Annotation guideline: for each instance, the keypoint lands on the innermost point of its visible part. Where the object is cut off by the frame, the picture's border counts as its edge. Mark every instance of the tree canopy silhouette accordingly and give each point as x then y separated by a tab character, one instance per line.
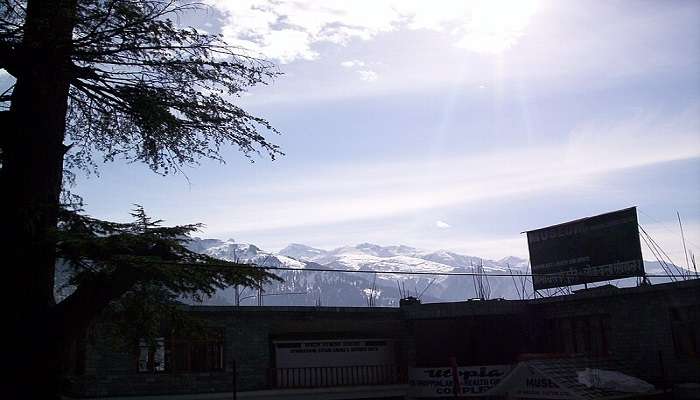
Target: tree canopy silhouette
99	80
134	267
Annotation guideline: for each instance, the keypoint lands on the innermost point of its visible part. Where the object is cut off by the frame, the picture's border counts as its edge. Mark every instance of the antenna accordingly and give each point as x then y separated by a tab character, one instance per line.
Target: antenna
318	298
476	290
521	295
685	250
370	297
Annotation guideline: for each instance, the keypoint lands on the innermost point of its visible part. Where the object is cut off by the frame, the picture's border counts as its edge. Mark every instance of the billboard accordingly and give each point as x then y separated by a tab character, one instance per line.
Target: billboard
592	249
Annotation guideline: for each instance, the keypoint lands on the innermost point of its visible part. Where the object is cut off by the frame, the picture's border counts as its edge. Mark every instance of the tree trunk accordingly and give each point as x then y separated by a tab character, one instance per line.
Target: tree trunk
31	174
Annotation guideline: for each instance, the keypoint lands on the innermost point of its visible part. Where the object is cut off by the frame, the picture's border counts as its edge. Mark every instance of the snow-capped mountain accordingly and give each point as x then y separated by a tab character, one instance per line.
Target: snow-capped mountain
243	252
302	252
386	288
313	287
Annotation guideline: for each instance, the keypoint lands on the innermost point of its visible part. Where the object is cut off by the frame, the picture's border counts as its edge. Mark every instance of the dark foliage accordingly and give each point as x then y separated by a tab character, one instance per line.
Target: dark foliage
155	259
145	89
158	254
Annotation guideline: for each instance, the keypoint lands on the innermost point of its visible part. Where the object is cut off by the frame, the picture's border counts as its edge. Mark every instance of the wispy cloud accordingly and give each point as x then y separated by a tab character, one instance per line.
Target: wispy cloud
366	74
536	46
353	192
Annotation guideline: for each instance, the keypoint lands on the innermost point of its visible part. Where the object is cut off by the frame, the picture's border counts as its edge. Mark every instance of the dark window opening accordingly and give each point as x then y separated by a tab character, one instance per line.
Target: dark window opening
199	354
151	355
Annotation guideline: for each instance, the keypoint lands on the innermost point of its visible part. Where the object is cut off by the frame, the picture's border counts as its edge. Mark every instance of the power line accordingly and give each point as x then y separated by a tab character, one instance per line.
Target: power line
438	273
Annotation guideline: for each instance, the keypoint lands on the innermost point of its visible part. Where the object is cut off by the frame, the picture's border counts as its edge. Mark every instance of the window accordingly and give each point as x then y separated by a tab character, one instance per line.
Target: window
152	355
202	353
586	334
685	329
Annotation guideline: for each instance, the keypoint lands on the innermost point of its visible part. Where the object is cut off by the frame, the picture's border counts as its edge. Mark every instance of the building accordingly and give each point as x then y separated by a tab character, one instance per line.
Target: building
530	346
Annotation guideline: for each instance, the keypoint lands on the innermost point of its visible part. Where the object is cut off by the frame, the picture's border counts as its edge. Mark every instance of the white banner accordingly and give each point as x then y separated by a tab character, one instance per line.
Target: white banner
333	353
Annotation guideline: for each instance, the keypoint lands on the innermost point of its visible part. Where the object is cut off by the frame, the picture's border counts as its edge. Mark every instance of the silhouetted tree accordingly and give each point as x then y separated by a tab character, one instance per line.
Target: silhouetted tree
135	266
100	78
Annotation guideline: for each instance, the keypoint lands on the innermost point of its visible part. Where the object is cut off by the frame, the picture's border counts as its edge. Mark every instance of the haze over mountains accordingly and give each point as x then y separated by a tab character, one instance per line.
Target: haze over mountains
363	287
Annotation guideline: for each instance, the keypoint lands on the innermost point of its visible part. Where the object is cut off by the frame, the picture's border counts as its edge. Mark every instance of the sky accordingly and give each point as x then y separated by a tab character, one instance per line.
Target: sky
445	125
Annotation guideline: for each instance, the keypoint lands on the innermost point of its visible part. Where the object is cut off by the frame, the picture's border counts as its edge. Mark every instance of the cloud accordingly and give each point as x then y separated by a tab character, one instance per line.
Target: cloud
442	224
287	30
368	75
352	64
541	45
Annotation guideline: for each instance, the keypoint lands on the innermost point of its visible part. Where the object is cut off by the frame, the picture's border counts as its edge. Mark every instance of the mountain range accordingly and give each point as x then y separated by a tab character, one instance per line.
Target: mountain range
363	286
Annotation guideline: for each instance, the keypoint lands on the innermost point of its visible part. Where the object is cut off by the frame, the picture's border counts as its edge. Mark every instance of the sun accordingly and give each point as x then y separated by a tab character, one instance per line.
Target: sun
495	26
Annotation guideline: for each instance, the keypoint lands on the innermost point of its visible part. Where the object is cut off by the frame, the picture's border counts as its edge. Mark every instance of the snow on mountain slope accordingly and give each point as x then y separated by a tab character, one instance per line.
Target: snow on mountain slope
387	251
353	288
243	252
302	252
515	263
360	261
368	256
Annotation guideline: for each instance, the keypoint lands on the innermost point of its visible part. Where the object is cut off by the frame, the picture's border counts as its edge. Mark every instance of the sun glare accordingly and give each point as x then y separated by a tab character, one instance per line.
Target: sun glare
496	25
